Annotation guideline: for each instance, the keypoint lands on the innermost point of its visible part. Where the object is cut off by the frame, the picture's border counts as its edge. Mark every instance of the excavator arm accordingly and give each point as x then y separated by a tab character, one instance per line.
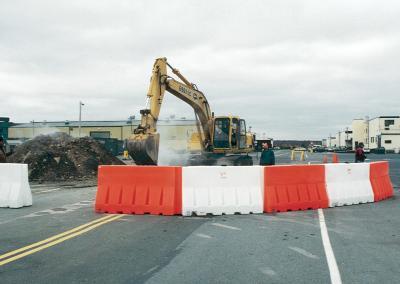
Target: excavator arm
144	144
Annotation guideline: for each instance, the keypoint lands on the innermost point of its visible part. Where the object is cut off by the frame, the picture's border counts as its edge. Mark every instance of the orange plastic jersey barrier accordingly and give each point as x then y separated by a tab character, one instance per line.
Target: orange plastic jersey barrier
139	190
298	187
380	180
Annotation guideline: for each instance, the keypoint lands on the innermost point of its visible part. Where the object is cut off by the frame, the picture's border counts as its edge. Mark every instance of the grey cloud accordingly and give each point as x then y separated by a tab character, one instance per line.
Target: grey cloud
293	69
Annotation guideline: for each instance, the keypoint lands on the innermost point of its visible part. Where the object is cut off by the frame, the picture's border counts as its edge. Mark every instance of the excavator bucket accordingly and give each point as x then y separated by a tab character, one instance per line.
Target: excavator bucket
143	148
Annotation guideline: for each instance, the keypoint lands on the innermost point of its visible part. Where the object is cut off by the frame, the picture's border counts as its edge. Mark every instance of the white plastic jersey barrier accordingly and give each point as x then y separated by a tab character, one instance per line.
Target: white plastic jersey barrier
348	184
222	190
15	191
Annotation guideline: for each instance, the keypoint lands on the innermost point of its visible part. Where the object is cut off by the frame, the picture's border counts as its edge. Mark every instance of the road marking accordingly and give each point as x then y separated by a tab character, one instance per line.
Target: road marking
282	154
330	257
38	246
226	226
151	269
66	208
268	271
53	237
304	252
46	190
204	236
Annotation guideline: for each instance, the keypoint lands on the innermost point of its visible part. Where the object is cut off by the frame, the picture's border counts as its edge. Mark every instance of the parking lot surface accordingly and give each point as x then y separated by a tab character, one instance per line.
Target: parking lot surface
60	239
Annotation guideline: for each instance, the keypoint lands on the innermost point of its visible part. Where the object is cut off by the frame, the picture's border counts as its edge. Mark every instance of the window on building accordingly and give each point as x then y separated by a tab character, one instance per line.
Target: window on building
388	122
388	141
100	134
372	139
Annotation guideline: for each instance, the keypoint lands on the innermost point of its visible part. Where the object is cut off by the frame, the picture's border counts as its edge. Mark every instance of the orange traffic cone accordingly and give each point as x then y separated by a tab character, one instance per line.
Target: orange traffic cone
335	158
325	159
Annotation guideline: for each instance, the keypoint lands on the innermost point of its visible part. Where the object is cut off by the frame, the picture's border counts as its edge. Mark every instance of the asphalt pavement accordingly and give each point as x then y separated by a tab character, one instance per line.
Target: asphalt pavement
259	248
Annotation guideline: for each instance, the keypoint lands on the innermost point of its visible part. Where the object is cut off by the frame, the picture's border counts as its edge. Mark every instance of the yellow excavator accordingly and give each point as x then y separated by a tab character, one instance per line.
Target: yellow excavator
223	139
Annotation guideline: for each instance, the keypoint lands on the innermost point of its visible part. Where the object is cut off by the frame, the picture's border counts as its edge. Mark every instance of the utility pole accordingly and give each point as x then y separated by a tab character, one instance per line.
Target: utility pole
33	128
367	130
80	116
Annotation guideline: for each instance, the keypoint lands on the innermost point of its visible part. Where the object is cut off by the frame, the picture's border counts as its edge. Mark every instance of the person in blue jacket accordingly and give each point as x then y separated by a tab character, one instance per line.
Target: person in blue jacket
267	156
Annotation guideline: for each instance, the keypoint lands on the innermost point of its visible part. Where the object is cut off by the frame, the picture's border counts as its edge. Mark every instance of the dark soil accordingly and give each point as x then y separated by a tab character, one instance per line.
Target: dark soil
59	157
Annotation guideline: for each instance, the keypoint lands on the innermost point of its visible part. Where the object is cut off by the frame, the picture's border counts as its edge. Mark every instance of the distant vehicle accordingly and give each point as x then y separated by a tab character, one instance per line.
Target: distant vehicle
318	148
342	150
277	148
300	149
380	150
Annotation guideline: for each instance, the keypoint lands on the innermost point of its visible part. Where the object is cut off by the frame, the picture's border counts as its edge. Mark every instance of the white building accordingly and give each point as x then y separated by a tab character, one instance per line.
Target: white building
360	135
342	139
382	131
331	142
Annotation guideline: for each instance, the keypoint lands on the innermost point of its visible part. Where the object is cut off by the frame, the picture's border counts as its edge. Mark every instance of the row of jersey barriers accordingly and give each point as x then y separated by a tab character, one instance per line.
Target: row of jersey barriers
214	190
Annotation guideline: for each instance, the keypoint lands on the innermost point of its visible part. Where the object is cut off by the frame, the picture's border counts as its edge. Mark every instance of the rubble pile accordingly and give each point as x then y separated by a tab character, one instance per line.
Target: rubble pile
59	157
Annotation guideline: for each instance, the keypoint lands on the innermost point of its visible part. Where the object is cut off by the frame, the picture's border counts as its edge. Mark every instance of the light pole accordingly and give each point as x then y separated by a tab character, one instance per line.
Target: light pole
80	116
330	140
33	129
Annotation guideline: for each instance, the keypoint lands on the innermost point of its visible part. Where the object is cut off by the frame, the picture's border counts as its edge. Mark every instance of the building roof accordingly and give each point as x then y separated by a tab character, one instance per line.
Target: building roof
385	116
113	123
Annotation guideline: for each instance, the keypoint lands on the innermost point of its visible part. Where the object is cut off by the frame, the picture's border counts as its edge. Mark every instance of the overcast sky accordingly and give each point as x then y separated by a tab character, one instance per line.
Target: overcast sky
292	69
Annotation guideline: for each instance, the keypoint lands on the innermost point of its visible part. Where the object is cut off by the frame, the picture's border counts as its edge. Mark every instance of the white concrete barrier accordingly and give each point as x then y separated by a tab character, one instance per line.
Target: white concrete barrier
15	191
348	184
222	190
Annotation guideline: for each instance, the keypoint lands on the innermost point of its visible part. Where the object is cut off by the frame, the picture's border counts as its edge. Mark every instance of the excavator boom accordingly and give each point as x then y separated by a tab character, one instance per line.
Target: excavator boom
144	144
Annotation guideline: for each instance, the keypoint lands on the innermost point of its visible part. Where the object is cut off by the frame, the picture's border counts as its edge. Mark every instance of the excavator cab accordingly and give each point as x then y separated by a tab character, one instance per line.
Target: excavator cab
222	131
229	134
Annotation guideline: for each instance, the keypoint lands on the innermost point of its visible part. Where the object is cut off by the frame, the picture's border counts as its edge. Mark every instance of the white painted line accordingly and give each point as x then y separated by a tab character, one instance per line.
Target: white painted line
304	252
268	271
204	236
151	269
281	154
330	257
226	226
47	190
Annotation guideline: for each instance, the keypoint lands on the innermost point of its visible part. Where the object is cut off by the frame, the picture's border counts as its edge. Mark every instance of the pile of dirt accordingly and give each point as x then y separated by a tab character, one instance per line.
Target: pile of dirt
59	157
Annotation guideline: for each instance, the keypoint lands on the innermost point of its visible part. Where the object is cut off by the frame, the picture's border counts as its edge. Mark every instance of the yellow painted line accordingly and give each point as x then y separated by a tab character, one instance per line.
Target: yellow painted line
100	220
50	244
53	237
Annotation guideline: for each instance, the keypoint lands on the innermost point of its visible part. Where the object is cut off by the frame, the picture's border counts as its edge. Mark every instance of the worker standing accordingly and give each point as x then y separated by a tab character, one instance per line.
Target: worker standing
267	156
2	151
360	154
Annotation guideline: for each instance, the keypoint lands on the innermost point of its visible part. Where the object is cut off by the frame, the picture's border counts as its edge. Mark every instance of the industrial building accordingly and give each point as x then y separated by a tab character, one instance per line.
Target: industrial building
375	133
174	133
